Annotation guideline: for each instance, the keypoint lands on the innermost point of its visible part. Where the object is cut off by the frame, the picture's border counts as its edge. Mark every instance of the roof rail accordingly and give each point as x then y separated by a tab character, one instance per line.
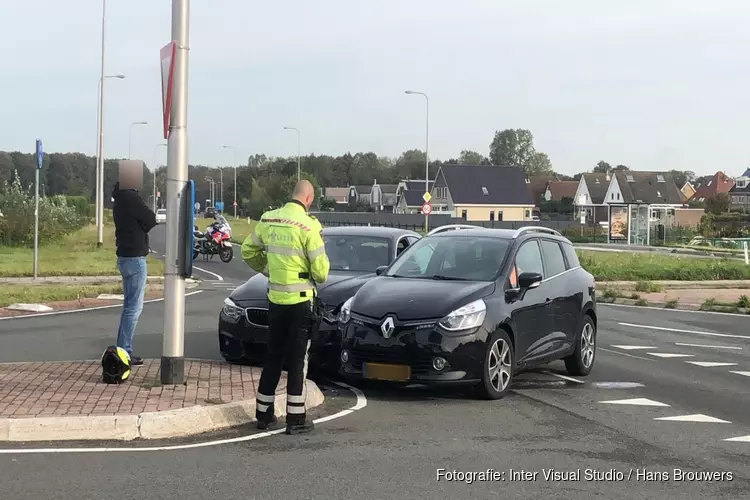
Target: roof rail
450	227
535	229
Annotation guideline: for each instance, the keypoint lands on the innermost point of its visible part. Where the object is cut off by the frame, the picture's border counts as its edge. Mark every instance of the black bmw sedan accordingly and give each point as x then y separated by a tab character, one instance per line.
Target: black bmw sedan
354	252
472	306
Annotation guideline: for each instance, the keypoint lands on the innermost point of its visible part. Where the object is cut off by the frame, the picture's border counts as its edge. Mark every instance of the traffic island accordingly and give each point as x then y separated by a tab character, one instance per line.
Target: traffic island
67	401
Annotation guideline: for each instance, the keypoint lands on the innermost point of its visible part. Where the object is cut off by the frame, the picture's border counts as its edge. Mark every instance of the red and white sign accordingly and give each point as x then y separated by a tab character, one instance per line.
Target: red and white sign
235	203
426	208
158	194
167	79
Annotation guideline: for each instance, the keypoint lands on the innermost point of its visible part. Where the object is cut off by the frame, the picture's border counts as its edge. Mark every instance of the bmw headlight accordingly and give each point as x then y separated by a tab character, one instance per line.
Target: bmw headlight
345	314
232	310
465	318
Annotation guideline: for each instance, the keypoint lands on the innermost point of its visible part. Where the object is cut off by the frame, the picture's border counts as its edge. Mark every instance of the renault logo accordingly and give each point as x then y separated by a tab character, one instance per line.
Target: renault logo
387	327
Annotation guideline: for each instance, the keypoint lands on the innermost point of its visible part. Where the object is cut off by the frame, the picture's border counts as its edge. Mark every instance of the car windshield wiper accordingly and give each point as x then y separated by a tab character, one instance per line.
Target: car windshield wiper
448	278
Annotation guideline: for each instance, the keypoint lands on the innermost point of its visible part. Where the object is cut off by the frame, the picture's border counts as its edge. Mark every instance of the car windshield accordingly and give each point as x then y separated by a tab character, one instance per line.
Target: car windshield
454	257
357	253
161	212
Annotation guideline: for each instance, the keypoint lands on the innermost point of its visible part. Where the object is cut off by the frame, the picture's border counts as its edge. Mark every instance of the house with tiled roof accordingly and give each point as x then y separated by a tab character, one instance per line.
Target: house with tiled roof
338	194
739	195
537	184
409	194
589	197
720	183
482	193
557	190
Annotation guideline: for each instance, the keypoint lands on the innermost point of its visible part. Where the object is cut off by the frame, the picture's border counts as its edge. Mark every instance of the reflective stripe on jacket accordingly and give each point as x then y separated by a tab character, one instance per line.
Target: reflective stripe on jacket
286	245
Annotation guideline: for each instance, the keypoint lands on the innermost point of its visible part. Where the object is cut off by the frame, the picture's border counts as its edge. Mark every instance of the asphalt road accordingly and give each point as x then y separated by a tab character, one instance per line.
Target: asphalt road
675	364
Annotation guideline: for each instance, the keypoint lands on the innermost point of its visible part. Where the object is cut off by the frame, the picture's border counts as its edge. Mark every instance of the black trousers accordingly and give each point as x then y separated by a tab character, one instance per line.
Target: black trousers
290	331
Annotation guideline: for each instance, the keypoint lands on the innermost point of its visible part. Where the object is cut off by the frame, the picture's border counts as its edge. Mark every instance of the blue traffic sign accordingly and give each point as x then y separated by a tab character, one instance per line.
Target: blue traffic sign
39	154
219	206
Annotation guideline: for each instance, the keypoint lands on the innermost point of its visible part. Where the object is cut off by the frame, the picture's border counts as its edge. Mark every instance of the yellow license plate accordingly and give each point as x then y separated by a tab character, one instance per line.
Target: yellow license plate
381	371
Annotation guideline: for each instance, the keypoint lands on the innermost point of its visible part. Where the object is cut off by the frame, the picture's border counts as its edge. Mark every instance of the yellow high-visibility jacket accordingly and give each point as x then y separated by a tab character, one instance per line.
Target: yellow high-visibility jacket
288	242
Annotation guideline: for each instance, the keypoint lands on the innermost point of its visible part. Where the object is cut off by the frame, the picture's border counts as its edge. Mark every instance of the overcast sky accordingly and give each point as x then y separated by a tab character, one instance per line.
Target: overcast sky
653	84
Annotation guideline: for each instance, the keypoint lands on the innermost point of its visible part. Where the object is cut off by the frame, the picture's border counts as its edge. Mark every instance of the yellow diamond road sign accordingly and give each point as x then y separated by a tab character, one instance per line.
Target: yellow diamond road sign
426	197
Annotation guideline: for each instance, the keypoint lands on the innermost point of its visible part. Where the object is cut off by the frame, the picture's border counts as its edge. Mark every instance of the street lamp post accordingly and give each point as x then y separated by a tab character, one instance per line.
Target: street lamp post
98	134
211	184
235	177
155	148
426	149
298	164
130	137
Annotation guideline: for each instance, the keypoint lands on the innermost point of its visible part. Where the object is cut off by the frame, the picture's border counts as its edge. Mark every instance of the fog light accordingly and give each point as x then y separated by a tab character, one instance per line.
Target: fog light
344	356
438	363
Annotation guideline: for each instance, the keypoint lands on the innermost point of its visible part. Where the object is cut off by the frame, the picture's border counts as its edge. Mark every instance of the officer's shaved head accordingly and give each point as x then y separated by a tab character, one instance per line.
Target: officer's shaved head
304	192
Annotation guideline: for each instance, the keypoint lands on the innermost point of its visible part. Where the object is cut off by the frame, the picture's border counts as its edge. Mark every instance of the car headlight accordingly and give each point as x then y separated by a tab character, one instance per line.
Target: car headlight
231	309
465	318
345	314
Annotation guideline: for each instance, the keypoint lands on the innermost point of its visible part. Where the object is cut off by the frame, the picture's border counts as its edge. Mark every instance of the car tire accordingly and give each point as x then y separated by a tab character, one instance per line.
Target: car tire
498	368
580	363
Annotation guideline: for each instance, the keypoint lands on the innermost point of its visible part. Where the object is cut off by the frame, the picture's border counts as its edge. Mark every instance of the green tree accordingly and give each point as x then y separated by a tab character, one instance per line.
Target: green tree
602	167
468	157
515	147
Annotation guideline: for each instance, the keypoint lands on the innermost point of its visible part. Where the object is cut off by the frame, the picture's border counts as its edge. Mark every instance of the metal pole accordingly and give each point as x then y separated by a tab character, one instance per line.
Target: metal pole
298	150
130	137
155	163
234	151
96	164
221	185
173	347
426	151
36	225
100	151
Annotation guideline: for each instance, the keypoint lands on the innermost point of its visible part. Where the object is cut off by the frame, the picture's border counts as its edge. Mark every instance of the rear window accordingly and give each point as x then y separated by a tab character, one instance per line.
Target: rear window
161	212
570	254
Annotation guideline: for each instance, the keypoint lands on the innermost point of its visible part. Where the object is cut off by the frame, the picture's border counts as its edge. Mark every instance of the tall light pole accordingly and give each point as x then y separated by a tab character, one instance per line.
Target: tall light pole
100	147
235	177
298	134
99	132
211	183
130	137
426	149
173	341
164	144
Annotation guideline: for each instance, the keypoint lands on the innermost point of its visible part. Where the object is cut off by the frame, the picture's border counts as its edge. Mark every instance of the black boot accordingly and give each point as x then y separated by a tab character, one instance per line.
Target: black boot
299	428
265	422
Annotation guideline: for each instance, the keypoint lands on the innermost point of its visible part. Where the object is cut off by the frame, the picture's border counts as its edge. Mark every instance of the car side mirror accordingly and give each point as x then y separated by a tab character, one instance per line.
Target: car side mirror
380	270
527	281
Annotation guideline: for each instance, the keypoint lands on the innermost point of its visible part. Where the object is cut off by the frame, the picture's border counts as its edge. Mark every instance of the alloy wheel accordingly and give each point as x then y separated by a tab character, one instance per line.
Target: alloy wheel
587	345
499	366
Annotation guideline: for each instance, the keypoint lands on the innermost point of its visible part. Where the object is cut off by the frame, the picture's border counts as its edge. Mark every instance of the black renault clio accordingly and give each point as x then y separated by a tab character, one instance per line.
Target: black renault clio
472	306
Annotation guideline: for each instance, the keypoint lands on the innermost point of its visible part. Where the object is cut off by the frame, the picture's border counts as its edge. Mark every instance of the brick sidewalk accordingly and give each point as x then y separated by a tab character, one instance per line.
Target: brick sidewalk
44	389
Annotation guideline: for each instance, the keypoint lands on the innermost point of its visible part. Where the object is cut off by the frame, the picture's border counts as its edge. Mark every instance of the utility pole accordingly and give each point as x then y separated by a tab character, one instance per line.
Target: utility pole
234	150
298	160
173	345
426	151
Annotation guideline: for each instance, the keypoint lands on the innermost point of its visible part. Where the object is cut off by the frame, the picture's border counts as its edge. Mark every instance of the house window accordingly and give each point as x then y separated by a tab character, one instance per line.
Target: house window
741	184
630	178
463	214
618	196
492	215
484	191
499	215
659	178
527	214
612	196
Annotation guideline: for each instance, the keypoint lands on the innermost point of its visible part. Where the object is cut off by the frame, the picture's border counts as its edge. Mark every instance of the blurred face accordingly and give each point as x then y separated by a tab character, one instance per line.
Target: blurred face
131	174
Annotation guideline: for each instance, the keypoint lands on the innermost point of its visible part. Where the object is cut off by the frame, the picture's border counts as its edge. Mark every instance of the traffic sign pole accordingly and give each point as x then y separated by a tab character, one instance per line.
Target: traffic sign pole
173	341
39	161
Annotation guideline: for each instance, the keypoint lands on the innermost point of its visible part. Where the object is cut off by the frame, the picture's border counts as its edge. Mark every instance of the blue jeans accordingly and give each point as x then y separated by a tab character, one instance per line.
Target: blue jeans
133	271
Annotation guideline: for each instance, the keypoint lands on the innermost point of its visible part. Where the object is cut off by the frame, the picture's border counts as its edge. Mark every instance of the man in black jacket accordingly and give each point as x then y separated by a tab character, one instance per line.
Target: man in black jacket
133	220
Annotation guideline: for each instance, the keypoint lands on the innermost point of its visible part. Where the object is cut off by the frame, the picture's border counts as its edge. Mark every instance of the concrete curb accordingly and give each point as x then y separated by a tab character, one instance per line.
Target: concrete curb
676	285
149	425
680	307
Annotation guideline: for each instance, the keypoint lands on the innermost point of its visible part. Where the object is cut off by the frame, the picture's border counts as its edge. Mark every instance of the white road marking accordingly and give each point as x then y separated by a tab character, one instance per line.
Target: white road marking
624	354
564	377
670	310
635	401
632	347
698	417
709	364
677	330
361	403
86	309
747	374
617	385
741	439
669	355
710	346
218	277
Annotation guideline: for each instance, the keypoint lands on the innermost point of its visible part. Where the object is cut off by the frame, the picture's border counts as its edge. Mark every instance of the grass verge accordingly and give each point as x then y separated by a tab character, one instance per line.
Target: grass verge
645	266
42	294
75	255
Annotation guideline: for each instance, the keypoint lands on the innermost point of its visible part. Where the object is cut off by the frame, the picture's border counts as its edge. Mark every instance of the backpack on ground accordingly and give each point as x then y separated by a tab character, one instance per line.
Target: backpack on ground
115	365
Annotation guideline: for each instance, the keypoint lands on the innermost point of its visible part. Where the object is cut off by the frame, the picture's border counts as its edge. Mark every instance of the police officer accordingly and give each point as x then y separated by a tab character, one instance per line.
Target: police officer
286	245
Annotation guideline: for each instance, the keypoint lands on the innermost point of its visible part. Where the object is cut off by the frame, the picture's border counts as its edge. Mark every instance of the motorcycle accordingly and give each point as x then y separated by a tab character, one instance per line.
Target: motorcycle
215	241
